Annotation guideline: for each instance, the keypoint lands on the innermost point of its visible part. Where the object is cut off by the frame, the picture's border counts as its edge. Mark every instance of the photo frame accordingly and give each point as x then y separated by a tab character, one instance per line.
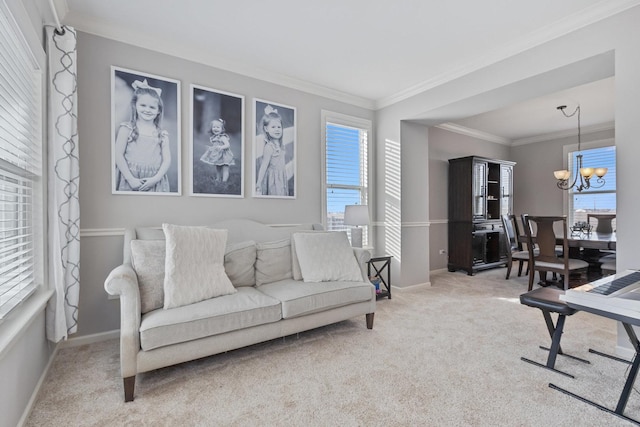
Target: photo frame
274	151
145	140
217	143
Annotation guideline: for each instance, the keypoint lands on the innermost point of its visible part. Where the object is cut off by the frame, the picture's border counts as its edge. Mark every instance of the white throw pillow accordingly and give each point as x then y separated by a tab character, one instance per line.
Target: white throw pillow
147	259
239	263
194	269
295	264
326	257
273	261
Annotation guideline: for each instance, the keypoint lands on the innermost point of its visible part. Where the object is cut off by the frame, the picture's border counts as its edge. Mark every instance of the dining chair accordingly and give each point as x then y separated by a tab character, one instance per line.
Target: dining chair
515	251
548	258
603	224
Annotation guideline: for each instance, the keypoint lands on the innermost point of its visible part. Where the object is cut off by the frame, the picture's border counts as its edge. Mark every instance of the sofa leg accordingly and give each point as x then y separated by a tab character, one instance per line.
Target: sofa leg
369	320
129	385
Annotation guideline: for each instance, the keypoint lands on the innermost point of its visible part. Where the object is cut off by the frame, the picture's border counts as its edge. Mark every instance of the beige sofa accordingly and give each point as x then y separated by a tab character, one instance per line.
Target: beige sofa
271	299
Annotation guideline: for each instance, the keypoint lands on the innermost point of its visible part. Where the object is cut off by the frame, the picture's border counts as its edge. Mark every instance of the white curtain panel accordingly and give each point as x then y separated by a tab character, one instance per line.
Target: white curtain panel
63	180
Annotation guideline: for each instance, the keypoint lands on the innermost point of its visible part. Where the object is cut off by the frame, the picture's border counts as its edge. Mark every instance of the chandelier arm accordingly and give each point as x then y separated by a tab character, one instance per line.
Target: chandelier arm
599	183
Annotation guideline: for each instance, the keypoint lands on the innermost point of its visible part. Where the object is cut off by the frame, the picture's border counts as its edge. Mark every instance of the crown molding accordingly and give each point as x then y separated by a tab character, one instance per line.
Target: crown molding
602	10
563	134
169	47
587	16
474	133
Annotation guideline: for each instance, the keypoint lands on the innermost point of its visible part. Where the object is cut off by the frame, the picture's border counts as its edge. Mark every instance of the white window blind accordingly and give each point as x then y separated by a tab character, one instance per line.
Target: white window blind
594	200
346	168
20	165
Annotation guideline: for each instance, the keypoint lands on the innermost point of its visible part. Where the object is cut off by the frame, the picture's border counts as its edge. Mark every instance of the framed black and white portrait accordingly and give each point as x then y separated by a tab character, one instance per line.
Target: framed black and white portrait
217	143
145	143
274	150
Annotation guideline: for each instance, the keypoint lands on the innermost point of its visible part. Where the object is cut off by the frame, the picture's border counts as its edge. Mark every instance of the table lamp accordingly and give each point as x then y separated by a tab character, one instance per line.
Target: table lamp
356	215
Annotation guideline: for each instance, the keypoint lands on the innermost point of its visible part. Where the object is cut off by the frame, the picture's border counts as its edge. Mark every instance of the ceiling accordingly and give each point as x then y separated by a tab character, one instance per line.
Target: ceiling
538	118
370	53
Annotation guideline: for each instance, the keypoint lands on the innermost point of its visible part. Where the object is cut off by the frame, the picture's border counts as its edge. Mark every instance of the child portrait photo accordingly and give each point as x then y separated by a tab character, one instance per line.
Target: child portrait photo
217	143
145	143
274	150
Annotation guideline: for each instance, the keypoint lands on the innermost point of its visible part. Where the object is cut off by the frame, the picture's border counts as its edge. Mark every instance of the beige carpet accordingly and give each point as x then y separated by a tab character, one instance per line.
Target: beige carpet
448	355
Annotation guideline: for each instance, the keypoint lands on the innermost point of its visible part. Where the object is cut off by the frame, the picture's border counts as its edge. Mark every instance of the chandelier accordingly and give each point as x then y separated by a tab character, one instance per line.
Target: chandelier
582	180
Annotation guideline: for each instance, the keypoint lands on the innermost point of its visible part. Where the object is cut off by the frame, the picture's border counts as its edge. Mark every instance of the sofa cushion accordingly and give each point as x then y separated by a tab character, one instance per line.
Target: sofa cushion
273	261
194	265
239	263
147	259
326	257
301	298
243	309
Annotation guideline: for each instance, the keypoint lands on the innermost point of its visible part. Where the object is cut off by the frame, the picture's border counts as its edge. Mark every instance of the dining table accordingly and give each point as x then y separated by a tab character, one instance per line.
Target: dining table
592	240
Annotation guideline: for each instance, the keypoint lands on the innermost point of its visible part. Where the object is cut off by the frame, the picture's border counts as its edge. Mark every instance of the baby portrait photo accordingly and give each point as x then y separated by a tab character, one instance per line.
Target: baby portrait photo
217	143
145	143
274	149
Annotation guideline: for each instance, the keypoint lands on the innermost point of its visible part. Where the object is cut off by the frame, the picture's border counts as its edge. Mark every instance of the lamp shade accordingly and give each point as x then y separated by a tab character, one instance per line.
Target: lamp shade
356	215
562	174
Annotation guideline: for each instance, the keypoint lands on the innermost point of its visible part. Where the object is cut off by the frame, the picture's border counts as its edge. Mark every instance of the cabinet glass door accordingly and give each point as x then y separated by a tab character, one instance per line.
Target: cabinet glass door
506	189
479	190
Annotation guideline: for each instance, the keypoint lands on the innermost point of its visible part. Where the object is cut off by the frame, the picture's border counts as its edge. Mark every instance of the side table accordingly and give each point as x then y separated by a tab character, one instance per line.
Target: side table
379	265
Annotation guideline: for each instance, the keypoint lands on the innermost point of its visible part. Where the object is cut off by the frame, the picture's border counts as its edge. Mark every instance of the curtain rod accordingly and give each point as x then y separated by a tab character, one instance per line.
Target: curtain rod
59	28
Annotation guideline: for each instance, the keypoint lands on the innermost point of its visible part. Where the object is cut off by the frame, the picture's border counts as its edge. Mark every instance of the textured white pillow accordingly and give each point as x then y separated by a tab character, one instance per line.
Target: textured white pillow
239	263
295	264
147	259
326	257
273	261
194	269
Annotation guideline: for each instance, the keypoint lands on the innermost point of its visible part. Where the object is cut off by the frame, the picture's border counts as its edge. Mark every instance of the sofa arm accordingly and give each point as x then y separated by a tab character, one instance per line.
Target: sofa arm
362	255
123	281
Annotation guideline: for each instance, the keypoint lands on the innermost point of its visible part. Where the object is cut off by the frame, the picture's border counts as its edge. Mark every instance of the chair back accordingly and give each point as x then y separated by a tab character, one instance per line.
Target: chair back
604	222
542	230
511	232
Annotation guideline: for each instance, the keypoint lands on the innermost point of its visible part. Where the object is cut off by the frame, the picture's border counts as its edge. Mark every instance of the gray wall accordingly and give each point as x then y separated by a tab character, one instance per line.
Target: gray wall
103	215
415	208
21	366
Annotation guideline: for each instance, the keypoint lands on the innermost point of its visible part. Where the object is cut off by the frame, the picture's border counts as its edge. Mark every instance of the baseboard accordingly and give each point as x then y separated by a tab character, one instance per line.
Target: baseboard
411	287
90	339
439	270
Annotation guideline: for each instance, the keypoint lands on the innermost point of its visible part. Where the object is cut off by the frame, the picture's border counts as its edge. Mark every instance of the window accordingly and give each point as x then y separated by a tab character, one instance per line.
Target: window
594	200
20	166
345	167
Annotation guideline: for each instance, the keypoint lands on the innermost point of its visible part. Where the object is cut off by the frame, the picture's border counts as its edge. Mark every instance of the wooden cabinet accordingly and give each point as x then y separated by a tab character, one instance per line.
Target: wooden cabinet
480	192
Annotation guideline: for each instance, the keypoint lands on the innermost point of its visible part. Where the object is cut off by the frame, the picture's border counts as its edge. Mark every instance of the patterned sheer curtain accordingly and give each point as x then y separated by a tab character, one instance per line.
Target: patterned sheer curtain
63	180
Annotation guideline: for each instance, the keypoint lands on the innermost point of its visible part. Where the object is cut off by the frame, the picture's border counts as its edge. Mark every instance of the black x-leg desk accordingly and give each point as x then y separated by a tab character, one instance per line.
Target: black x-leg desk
628	323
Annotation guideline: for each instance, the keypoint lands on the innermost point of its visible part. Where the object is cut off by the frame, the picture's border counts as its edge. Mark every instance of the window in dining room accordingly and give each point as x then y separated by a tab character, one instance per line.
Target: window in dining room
594	200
